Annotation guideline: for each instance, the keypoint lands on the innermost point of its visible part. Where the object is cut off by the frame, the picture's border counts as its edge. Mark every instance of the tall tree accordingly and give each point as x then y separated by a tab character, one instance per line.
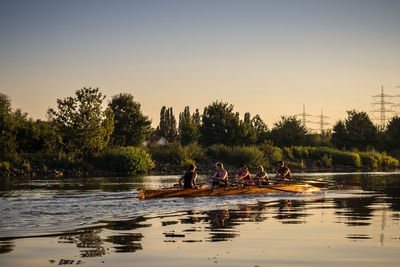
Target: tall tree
188	127
131	126
220	125
289	131
83	123
260	128
7	126
393	135
167	127
358	131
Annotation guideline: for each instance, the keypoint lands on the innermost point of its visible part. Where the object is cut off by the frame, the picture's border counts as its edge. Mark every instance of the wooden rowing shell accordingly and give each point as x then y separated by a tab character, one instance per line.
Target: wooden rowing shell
207	192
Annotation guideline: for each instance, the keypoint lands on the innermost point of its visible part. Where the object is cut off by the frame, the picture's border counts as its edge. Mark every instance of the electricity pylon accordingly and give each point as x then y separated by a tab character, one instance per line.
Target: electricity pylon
383	110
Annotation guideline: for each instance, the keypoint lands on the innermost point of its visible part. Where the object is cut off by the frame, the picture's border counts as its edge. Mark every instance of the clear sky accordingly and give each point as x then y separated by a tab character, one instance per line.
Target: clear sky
265	57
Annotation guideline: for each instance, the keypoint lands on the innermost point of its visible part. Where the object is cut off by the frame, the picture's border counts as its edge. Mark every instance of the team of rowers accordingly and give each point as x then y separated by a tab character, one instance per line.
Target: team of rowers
220	178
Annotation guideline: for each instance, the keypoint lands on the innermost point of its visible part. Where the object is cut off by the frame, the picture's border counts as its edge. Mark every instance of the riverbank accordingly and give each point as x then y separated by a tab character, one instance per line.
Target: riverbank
31	167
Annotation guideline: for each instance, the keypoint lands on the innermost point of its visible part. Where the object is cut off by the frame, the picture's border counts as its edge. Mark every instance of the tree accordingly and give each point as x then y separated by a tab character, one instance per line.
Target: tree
188	127
7	126
131	126
260	128
82	122
289	131
167	126
220	125
393	134
357	131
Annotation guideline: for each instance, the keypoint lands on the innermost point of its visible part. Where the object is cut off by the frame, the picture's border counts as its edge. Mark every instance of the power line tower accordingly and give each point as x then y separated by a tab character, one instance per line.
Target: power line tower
304	116
396	105
322	122
383	110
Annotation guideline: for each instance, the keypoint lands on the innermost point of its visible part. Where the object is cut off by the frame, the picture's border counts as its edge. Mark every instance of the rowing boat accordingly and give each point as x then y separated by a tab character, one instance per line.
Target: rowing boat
206	192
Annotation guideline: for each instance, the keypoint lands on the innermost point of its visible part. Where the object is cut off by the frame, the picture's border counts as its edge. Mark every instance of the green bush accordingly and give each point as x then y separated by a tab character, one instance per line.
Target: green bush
26	166
369	159
75	161
389	162
176	153
325	161
5	166
128	160
288	153
272	154
237	155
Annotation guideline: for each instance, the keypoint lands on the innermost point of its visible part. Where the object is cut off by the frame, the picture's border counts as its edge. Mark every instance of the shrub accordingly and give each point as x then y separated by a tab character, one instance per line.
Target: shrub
128	160
5	166
237	155
368	159
325	161
288	153
26	166
272	154
389	162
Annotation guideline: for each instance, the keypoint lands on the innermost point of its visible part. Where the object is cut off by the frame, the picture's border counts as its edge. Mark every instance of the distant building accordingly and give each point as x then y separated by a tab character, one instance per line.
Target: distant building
159	140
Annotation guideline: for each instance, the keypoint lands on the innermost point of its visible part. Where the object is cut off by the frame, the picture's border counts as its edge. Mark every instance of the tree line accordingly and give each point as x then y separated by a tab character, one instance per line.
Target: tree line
83	123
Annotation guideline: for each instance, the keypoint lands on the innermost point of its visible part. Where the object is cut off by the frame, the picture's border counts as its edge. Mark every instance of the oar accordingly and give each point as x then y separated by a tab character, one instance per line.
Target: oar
265	186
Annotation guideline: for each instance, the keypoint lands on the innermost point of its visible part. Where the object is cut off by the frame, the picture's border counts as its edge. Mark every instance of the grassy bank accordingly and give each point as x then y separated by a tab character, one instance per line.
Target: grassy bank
174	159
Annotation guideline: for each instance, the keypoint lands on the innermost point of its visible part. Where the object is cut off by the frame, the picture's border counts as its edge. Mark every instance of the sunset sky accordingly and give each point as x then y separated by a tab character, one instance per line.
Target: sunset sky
265	57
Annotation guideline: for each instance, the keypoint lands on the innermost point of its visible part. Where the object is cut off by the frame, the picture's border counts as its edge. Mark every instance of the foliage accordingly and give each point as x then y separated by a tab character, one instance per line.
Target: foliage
5	166
325	161
393	134
272	154
288	131
82	122
26	166
260	129
128	160
167	127
357	131
7	126
131	126
237	155
220	125
176	153
188	127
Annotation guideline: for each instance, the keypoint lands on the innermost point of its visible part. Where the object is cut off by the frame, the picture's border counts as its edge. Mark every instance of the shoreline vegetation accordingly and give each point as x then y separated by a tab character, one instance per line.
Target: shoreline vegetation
83	136
174	159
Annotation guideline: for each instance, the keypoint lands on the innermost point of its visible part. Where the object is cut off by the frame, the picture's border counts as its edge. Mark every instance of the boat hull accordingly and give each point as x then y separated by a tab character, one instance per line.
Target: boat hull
207	192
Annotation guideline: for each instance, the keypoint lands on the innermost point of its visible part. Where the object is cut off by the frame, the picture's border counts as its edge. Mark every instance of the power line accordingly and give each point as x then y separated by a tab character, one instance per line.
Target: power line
304	116
383	103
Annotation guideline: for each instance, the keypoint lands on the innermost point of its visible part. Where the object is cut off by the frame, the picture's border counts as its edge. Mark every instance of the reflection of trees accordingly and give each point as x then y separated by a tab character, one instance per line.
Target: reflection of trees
357	211
91	244
290	211
131	224
126	242
6	246
88	240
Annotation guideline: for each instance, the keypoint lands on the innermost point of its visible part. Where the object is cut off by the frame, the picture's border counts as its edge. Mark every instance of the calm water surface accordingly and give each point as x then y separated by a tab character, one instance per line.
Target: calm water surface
355	221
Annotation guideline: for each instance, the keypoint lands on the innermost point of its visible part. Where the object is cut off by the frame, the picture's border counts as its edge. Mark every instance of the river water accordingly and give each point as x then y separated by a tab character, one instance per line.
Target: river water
355	221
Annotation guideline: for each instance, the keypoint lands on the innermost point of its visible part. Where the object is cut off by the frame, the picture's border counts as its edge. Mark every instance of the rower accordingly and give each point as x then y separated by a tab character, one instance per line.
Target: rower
261	177
244	176
220	178
189	178
283	173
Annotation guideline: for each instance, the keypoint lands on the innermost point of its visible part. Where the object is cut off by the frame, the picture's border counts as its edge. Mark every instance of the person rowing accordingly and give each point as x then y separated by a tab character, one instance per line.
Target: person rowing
244	176
283	173
261	177
220	178
189	178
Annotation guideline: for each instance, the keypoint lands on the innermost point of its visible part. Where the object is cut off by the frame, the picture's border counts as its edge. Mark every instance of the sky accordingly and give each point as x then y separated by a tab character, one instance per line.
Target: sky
264	57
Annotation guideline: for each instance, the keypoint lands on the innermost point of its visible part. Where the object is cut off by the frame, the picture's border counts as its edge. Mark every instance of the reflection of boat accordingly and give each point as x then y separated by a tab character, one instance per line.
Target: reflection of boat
205	192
